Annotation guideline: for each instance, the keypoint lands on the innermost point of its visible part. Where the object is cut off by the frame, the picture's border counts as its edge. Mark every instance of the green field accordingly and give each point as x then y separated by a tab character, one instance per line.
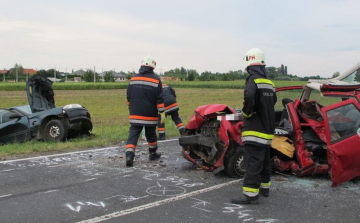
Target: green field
238	84
109	114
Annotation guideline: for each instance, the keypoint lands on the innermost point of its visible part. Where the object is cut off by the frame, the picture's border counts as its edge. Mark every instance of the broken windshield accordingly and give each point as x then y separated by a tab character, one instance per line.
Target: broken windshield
353	78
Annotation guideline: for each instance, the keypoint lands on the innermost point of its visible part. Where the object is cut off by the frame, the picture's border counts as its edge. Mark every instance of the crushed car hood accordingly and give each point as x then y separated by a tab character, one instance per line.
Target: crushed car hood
40	94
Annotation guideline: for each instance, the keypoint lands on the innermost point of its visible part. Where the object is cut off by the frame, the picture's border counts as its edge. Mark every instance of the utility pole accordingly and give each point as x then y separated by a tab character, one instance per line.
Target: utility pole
94	74
4	75
187	74
65	74
16	73
54	74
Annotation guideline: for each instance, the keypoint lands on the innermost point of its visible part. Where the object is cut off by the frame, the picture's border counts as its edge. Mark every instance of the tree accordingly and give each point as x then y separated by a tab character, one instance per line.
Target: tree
50	73
42	73
285	70
89	76
109	77
336	74
282	71
271	72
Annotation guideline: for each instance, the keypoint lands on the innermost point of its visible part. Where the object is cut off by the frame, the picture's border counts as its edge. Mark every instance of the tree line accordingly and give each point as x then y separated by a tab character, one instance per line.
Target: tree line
274	73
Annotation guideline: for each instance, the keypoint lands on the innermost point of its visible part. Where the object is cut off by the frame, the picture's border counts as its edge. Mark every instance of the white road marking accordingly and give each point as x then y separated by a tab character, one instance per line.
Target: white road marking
8	195
50	191
90	179
83	151
7	170
155	204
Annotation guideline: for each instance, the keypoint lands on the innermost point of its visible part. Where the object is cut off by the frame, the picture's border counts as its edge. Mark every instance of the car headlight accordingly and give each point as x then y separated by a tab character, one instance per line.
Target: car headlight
72	106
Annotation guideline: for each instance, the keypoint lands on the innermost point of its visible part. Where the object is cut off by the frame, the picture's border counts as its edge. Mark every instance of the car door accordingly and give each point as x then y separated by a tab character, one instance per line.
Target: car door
342	122
13	130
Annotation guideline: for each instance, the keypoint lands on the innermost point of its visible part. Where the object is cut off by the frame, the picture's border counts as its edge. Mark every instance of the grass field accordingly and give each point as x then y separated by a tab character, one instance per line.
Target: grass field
238	84
109	113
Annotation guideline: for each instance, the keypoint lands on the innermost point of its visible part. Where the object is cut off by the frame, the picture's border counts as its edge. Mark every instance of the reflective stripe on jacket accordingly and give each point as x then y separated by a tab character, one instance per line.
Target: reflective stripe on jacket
169	99
258	109
144	97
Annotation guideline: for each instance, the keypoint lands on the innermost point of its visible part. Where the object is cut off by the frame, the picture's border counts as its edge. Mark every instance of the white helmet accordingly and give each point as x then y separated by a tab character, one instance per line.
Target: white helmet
148	61
254	57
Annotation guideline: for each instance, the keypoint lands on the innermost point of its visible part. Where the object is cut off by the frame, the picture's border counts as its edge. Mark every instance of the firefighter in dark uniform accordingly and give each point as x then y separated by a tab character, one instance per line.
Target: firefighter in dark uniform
171	108
145	101
258	129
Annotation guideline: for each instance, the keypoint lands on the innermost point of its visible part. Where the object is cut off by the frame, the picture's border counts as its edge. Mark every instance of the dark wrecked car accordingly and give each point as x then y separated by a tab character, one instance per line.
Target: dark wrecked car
314	134
41	119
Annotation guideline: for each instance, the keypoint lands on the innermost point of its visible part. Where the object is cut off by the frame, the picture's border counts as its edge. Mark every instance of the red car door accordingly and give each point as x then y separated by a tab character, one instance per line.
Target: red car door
342	122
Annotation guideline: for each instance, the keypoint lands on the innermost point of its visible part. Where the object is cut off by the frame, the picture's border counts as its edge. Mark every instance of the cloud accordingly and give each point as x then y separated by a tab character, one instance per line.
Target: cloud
309	37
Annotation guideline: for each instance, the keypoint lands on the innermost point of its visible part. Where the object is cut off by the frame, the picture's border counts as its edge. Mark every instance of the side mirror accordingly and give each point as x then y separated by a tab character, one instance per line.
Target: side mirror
15	115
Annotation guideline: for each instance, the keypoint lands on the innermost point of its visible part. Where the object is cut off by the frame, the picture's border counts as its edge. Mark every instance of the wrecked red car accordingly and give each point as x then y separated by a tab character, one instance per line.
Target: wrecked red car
315	133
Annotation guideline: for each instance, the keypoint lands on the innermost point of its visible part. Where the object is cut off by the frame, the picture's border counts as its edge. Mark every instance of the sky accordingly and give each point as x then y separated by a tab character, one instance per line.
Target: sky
309	37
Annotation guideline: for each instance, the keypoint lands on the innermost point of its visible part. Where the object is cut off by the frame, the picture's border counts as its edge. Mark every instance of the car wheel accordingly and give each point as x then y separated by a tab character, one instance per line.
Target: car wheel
234	164
55	130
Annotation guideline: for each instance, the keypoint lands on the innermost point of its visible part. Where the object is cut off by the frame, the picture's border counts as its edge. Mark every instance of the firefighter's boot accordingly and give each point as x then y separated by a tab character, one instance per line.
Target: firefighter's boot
264	192
130	158
244	199
161	136
153	155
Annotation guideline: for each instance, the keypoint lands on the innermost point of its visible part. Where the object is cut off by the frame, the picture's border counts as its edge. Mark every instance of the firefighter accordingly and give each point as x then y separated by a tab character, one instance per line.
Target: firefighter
171	108
145	101
258	129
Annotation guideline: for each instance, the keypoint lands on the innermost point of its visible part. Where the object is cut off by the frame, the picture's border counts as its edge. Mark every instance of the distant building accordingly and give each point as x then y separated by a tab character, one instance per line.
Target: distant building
3	71
117	76
77	79
25	71
80	72
169	78
29	71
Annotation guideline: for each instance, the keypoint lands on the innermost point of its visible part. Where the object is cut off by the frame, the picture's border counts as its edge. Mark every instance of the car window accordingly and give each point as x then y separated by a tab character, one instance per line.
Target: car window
4	116
343	121
352	78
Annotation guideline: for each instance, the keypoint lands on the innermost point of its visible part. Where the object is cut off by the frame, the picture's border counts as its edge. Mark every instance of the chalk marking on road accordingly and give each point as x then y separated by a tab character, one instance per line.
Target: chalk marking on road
50	191
78	208
7	170
83	151
90	179
155	204
8	195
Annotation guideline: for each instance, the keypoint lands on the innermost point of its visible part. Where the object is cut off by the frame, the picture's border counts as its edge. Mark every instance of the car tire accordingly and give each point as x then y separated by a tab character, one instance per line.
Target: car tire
55	130
234	164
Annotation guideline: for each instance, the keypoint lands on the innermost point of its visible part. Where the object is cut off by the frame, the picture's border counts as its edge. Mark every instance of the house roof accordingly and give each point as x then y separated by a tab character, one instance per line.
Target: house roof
80	72
3	71
116	75
29	71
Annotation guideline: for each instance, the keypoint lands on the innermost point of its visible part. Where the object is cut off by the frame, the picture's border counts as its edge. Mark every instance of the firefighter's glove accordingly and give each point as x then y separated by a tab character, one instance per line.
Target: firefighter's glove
162	115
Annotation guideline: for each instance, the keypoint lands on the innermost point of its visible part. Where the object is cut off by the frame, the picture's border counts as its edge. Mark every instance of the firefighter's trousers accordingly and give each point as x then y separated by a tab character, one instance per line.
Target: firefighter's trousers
134	133
257	168
176	119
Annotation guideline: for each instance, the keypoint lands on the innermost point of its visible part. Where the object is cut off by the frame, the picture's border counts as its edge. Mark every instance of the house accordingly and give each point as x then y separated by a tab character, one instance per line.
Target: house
80	72
29	71
169	78
26	71
3	71
117	76
120	77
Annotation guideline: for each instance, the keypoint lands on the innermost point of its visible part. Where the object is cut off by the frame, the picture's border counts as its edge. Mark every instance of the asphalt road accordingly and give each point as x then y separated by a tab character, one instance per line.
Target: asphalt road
95	186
